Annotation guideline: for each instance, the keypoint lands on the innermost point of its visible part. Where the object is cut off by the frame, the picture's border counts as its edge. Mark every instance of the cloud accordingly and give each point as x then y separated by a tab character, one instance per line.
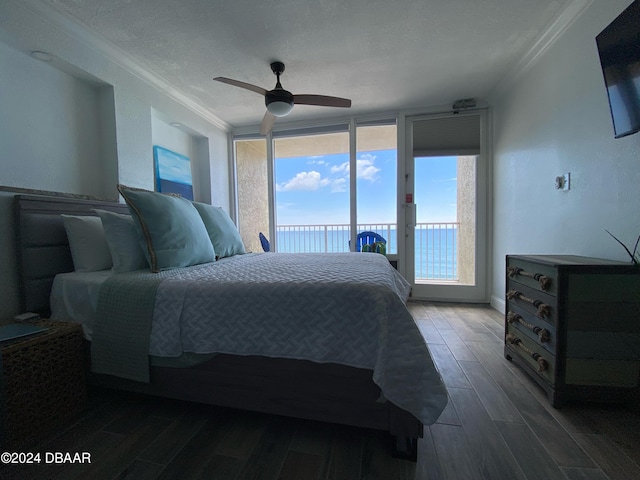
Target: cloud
452	179
312	181
338	182
316	160
342	168
308	181
339	185
365	168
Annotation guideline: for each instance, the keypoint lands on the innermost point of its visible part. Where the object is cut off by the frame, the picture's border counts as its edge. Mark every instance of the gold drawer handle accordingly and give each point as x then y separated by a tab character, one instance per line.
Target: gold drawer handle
543	334
544	310
543	365
543	280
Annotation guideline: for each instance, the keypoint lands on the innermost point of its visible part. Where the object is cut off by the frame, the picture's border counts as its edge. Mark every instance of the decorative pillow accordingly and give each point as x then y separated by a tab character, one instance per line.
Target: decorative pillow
88	244
122	238
223	232
170	230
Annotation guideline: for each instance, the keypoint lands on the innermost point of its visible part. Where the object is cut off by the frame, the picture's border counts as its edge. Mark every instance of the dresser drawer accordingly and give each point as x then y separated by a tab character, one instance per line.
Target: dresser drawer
537	303
537	330
539	359
542	278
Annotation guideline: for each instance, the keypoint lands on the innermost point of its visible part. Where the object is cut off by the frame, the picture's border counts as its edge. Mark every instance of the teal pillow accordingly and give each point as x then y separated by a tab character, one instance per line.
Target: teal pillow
170	230
222	231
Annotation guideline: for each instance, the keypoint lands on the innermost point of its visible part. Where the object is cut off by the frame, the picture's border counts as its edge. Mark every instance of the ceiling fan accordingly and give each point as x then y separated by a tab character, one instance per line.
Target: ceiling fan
279	101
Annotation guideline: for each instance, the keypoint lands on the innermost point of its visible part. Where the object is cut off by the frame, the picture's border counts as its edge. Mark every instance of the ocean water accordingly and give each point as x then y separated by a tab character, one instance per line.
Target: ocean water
436	248
184	190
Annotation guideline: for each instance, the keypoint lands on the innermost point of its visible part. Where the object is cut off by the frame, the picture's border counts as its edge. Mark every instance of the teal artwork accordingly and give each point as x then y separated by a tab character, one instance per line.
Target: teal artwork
173	172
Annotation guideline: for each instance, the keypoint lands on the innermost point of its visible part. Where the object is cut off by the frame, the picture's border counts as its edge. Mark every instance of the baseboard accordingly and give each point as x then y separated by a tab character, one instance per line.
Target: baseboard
498	303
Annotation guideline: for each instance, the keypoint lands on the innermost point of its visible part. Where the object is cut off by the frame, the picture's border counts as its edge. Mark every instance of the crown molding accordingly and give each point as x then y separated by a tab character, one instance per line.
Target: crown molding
544	42
92	39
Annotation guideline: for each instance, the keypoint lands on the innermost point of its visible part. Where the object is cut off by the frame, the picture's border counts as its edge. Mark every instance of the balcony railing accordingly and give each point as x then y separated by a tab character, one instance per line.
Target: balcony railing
436	244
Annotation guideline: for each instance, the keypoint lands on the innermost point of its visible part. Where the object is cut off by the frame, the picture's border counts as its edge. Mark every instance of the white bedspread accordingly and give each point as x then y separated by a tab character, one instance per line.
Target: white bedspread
340	308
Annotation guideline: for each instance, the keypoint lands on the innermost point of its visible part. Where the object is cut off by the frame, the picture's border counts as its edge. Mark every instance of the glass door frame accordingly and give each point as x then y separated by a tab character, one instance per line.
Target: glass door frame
349	126
445	291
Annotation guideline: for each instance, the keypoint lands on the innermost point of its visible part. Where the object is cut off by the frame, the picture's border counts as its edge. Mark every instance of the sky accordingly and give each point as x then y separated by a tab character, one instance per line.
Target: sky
314	190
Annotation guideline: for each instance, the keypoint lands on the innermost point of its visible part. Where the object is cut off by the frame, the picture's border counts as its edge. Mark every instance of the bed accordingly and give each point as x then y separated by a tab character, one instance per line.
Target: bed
299	366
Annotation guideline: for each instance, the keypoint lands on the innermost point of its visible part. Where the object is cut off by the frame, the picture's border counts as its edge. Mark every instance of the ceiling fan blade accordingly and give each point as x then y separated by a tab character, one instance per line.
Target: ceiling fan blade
267	122
322	100
238	83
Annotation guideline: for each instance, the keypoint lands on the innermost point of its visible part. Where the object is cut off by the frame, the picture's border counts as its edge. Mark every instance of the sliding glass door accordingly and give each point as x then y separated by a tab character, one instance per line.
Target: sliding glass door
312	192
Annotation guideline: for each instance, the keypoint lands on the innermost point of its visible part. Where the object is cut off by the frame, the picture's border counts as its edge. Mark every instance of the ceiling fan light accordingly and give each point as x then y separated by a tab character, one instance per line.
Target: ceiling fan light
280	108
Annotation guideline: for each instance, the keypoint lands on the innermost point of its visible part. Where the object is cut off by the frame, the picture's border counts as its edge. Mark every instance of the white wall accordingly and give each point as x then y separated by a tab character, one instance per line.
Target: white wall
82	123
556	119
26	29
49	138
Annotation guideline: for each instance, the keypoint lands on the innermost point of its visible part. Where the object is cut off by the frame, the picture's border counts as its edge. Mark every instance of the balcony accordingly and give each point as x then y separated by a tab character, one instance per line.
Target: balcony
436	244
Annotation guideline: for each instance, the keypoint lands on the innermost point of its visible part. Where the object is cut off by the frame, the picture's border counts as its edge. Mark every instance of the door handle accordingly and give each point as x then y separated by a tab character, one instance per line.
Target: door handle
410	214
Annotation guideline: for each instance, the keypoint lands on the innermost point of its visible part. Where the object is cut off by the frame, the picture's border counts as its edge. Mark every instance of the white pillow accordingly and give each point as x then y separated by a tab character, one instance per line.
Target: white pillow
88	244
122	238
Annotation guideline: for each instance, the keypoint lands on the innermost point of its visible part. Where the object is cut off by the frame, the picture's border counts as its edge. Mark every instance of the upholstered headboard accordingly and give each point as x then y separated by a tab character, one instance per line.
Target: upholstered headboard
42	246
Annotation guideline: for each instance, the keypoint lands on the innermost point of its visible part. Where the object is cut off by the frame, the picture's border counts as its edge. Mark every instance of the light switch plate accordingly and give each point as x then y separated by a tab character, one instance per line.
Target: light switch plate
563	182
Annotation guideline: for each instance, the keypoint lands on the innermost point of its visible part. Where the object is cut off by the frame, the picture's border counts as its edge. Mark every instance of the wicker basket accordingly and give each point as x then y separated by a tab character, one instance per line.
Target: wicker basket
44	381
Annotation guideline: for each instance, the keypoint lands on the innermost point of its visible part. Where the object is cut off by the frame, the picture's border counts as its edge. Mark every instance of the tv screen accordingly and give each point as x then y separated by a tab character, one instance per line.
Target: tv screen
619	50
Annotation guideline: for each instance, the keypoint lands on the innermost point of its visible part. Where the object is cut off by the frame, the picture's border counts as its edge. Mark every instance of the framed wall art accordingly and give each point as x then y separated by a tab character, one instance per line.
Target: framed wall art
173	172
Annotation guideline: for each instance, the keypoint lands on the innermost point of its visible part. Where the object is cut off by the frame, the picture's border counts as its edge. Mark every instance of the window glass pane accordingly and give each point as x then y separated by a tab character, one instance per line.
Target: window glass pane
445	192
376	184
312	193
252	191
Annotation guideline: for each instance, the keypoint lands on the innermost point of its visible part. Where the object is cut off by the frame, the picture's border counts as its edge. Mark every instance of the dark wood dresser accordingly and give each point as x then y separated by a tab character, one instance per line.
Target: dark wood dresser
573	324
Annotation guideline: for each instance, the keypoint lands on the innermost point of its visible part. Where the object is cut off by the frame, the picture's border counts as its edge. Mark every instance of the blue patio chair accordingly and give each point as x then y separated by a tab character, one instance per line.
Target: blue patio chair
266	246
368	240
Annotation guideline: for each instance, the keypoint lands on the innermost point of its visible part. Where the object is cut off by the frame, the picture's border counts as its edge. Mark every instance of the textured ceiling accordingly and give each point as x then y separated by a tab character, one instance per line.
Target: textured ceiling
383	54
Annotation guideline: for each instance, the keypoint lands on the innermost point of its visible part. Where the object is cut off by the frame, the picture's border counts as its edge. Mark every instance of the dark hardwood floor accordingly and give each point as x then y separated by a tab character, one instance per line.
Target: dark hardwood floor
498	425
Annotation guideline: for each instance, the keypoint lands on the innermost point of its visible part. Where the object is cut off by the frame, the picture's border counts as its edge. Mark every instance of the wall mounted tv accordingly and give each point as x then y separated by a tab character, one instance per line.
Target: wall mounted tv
619	50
